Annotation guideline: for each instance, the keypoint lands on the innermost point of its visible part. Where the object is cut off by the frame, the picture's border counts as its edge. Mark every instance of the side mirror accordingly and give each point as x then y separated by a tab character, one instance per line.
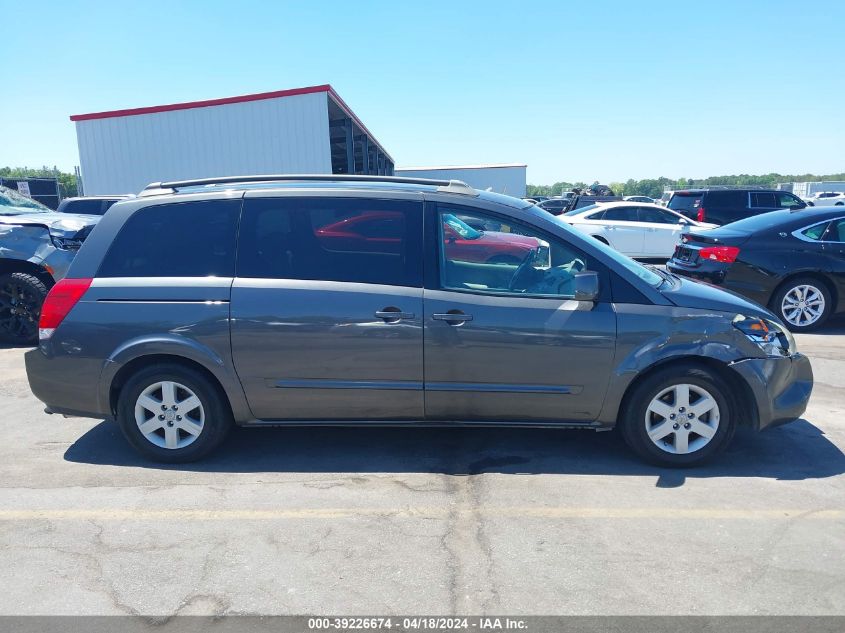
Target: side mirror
586	286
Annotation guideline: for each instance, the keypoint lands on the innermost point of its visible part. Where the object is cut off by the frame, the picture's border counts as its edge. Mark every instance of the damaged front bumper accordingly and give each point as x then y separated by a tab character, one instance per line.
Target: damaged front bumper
781	387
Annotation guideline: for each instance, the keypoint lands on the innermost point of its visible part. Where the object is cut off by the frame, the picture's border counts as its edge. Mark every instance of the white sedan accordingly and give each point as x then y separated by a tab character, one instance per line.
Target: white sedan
633	229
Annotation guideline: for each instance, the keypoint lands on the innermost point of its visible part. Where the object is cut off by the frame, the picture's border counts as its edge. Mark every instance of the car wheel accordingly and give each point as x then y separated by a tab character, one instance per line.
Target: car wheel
804	304
601	239
172	414
21	297
679	417
839	204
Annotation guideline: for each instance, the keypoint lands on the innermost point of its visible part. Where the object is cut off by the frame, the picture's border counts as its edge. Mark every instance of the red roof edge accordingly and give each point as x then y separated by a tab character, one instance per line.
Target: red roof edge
209	102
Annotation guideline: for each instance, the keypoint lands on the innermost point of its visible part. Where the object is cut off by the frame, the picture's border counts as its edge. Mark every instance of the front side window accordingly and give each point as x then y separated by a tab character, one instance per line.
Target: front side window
188	239
333	239
788	201
513	259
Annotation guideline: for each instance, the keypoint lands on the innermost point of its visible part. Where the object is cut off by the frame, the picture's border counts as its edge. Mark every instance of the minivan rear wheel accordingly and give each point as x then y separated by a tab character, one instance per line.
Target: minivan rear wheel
173	414
679	416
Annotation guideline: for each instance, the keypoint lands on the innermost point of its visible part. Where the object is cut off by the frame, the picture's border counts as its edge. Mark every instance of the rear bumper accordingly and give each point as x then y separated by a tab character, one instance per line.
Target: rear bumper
65	384
714	274
781	387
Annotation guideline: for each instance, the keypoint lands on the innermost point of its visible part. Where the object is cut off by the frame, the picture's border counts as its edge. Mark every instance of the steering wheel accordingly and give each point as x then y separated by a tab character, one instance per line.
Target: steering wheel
524	265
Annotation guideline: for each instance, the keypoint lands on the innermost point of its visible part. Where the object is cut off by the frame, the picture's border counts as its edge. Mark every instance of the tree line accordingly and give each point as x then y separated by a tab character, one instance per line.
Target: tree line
653	187
67	182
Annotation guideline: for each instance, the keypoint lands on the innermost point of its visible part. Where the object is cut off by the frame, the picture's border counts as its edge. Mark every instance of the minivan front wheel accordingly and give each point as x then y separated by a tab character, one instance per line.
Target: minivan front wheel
170	413
678	416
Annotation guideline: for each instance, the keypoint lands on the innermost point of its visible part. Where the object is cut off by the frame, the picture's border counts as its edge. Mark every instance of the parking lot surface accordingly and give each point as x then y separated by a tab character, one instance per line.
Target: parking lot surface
435	521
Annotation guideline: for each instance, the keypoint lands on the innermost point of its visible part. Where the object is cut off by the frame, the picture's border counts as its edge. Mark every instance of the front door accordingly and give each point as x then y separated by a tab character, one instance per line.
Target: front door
326	308
504	338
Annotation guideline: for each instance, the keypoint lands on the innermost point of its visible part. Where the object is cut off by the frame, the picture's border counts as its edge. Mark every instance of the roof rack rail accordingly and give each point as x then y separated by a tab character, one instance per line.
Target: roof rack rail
445	186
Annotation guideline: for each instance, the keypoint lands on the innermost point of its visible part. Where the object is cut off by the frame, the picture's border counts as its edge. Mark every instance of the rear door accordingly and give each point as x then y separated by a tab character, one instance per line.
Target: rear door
508	341
327	308
624	230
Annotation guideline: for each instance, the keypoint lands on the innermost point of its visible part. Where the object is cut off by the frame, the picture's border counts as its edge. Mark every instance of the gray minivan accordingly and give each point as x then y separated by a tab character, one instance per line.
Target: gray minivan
344	300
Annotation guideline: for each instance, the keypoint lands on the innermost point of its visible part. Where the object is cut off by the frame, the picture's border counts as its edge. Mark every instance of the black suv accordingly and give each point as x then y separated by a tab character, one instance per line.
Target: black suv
722	206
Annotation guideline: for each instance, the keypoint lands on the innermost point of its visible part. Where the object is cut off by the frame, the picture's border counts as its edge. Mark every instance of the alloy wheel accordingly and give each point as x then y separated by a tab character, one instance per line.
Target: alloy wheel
169	415
803	305
19	310
682	419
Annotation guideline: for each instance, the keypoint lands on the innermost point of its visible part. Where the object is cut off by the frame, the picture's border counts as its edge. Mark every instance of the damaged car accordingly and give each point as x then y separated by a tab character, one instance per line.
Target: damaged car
37	246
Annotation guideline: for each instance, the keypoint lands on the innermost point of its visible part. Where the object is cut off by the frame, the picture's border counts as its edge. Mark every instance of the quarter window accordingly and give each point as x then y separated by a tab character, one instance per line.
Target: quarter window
513	259
188	239
332	239
815	232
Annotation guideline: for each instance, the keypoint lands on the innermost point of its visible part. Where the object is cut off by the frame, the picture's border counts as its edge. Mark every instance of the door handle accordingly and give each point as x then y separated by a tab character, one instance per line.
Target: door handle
394	315
452	318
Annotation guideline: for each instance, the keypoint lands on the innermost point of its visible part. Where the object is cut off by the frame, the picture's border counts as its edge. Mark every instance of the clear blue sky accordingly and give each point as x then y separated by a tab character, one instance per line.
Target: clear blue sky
687	89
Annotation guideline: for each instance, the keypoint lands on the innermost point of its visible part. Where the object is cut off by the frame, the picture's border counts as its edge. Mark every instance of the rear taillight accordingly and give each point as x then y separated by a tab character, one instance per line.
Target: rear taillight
59	302
724	254
700	215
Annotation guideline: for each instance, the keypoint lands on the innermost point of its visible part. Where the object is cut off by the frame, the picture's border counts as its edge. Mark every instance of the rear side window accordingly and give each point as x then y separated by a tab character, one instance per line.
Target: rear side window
332	239
623	214
657	216
726	200
816	231
763	200
188	239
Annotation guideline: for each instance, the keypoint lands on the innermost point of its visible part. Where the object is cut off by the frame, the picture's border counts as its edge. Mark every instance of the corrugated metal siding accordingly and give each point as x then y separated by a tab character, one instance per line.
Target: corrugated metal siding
284	135
507	180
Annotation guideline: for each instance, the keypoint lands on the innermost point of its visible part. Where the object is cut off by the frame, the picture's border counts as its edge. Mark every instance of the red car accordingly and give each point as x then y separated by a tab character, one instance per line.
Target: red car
381	231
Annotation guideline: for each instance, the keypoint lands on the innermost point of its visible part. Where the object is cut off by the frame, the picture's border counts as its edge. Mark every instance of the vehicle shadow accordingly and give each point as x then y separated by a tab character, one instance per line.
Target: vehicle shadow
792	452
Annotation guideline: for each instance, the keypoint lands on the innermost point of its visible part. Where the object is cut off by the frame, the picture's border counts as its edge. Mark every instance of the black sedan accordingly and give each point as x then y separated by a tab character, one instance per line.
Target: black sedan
791	261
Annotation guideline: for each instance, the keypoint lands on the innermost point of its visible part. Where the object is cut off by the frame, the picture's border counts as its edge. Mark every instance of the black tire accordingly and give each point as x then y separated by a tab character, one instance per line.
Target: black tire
633	416
218	417
777	303
21	298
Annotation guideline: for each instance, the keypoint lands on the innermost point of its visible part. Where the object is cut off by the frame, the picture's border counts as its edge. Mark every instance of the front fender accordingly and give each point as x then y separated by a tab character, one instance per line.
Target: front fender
650	335
181	347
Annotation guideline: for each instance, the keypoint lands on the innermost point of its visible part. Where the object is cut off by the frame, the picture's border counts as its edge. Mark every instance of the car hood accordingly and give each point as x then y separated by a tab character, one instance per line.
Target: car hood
687	293
509	238
59	224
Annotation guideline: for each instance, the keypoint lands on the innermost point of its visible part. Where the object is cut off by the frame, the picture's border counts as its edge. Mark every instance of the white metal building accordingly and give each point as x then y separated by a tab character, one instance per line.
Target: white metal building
809	189
509	179
305	130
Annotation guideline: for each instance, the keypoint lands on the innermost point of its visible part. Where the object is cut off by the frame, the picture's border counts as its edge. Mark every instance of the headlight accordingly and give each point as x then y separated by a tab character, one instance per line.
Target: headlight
773	339
66	243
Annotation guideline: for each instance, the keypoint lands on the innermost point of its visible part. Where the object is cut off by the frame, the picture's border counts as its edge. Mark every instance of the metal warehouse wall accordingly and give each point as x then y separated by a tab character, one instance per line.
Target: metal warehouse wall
508	179
123	154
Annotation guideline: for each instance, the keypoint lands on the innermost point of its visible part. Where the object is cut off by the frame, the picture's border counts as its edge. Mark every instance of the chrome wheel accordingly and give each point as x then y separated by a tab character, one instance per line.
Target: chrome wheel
169	415
682	419
803	305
